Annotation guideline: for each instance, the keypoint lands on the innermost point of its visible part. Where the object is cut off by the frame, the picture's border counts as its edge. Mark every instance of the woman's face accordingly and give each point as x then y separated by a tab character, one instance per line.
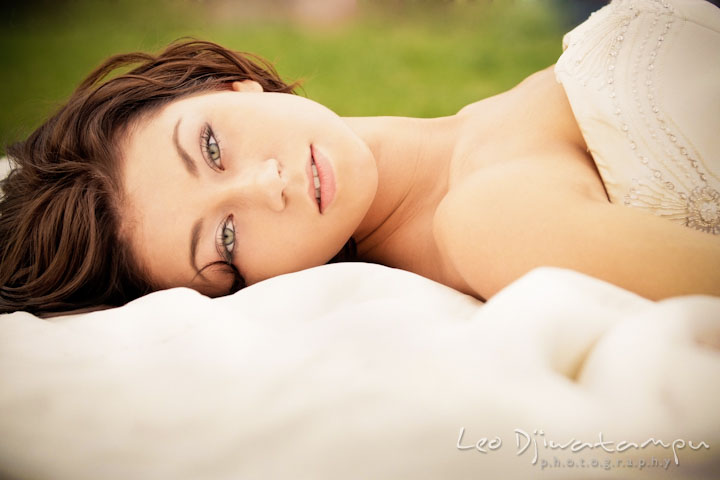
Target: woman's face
228	176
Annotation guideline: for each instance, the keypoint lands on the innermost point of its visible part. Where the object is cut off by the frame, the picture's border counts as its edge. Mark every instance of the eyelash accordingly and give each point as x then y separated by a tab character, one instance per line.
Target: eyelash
222	250
205	136
227	257
238	280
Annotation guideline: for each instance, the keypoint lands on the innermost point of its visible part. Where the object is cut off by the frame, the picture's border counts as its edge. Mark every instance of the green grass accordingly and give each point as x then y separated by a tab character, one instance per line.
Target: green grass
421	59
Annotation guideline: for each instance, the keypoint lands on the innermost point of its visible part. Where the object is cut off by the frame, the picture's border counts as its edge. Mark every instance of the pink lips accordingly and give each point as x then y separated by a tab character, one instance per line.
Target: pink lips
326	177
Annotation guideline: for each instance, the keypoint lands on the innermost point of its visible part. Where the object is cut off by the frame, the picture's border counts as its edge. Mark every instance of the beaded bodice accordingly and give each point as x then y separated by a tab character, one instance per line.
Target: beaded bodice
643	80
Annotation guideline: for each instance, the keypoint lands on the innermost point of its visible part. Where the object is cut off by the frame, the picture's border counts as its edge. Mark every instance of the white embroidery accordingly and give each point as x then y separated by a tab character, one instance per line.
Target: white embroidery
675	183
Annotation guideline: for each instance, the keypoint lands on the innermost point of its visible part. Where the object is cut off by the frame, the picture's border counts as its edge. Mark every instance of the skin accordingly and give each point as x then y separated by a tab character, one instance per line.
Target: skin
474	200
259	179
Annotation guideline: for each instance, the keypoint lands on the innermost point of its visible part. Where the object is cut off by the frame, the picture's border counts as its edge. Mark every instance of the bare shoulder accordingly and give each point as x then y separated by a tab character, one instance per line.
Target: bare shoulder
493	228
486	227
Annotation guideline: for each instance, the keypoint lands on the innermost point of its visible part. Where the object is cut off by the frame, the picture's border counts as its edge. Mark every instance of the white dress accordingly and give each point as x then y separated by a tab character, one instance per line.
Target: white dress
643	80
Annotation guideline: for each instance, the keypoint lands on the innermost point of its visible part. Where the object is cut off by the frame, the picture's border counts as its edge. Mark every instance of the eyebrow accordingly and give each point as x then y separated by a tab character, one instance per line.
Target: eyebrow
194	239
186	158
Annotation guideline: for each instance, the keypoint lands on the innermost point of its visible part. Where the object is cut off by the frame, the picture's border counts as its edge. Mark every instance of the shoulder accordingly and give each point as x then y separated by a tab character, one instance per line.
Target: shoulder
488	226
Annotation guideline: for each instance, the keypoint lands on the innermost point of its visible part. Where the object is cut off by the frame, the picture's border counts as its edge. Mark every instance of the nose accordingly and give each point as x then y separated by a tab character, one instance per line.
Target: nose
259	183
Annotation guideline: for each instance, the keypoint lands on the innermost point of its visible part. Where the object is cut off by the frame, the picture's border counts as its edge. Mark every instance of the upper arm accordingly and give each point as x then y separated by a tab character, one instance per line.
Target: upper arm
494	230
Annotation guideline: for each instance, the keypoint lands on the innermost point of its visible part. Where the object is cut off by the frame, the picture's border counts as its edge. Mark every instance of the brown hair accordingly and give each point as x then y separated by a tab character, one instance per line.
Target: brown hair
59	214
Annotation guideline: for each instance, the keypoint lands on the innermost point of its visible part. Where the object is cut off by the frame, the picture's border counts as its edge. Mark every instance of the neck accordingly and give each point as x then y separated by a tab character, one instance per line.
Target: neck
412	157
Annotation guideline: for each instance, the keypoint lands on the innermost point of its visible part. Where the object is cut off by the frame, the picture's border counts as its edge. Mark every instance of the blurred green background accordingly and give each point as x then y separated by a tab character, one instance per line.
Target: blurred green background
358	57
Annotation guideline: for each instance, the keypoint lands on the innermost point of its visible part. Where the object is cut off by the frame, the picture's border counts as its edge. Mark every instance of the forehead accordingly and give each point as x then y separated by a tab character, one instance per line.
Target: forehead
161	201
152	182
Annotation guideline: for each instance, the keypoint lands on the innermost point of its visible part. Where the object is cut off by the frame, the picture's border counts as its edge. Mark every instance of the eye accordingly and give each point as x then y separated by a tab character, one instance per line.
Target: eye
211	148
226	239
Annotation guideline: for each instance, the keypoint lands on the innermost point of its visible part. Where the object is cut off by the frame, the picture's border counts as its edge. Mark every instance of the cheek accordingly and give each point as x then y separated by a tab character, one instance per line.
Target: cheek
271	249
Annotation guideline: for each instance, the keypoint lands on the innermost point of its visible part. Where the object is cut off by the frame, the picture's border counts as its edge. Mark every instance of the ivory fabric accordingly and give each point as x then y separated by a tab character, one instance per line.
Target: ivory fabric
359	371
643	80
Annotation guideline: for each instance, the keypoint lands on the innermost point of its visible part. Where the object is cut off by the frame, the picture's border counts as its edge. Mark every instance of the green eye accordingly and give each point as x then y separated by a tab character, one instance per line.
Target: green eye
211	149
226	239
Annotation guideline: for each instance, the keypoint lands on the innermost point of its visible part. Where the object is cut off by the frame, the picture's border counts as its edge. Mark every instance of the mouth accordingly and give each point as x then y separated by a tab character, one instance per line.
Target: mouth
322	179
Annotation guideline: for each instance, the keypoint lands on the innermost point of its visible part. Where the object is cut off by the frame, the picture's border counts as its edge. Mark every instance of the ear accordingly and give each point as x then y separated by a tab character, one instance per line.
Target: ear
246	86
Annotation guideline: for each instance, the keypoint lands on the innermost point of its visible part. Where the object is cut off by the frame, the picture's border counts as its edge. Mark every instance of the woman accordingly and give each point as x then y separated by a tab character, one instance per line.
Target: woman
198	168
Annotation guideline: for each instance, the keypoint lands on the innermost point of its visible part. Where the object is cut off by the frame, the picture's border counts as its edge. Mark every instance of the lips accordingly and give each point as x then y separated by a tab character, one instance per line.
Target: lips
325	175
310	170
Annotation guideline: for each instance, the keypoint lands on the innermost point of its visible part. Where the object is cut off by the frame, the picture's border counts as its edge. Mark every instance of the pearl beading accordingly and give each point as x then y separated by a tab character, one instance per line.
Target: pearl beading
676	185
